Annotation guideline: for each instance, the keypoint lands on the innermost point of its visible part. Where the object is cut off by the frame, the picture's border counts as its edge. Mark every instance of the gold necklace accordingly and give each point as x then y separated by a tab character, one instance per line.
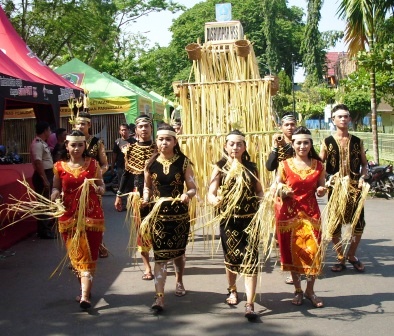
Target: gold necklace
167	163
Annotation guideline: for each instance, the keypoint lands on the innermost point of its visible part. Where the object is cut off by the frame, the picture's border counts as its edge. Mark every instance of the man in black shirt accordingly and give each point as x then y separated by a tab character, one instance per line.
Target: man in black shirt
61	134
118	156
281	147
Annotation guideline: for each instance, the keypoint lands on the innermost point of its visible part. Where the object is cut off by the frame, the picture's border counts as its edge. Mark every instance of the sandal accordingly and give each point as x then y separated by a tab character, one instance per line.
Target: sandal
250	314
158	305
232	296
357	264
298	298
316	302
289	280
147	276
180	289
339	267
85	303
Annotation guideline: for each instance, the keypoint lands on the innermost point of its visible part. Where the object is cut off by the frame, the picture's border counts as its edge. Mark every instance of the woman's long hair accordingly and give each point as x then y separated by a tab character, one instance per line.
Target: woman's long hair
64	155
177	149
303	130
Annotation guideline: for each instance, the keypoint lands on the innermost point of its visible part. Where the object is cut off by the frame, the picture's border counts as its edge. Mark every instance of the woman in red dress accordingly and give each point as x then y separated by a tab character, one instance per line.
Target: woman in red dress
300	179
79	181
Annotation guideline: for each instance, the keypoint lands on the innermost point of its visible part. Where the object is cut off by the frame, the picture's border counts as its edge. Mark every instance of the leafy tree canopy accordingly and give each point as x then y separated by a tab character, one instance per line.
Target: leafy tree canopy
91	30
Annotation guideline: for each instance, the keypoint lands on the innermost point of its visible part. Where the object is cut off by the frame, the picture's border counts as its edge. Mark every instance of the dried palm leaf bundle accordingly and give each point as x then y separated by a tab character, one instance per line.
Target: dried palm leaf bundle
344	207
148	222
133	219
30	205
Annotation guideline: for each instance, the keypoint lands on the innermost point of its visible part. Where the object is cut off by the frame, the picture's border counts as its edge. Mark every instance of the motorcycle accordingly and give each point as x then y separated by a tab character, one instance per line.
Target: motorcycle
381	179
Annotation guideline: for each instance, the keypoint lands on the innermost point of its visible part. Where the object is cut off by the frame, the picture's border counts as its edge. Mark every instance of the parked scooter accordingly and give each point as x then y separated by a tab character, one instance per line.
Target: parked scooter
381	179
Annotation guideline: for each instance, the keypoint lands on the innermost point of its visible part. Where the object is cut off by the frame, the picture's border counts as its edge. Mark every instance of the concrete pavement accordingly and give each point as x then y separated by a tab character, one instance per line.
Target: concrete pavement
32	304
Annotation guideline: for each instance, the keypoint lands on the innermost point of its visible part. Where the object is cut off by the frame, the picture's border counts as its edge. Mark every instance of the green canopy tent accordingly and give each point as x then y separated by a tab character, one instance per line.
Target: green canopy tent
110	103
174	109
161	105
106	96
146	103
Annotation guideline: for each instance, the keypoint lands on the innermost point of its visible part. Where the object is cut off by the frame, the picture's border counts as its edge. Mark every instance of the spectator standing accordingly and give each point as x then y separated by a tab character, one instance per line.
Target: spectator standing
61	134
43	174
118	156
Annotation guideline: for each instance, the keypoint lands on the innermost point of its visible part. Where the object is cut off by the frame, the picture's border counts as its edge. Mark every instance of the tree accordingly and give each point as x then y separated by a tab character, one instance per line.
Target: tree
312	100
359	104
189	27
363	20
283	101
313	53
382	60
91	30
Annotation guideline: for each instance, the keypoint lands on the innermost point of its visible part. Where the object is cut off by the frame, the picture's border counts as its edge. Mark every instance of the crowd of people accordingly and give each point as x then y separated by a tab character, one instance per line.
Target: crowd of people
163	178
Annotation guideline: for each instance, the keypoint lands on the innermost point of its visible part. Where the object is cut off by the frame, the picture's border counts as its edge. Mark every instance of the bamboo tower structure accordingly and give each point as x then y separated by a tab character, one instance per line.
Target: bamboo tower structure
224	92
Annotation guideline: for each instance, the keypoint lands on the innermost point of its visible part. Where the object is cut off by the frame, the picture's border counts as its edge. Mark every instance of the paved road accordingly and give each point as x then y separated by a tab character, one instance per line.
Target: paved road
31	304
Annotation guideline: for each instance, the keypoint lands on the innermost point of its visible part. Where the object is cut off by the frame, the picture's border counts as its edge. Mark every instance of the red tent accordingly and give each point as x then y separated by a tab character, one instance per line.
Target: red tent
10	68
26	81
16	49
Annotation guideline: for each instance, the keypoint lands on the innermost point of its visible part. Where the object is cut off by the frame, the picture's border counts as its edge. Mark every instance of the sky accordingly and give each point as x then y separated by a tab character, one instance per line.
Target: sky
155	26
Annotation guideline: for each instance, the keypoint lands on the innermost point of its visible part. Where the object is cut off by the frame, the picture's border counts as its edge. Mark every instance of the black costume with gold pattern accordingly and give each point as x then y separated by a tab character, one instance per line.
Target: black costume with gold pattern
136	156
170	231
280	154
347	162
234	231
93	144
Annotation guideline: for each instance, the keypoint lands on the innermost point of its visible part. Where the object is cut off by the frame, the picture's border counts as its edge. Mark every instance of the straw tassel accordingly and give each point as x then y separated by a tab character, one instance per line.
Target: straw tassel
133	220
32	205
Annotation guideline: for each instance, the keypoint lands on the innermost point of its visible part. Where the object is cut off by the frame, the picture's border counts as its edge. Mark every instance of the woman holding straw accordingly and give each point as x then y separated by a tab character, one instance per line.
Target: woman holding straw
236	191
79	181
298	216
168	224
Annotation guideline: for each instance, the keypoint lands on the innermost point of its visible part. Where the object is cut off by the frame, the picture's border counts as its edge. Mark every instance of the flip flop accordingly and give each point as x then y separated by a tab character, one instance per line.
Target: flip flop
338	267
232	298
180	289
147	276
357	264
316	301
298	298
289	280
85	304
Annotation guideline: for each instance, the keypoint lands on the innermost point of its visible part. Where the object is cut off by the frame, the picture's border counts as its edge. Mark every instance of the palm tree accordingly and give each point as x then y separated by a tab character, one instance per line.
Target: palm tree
363	18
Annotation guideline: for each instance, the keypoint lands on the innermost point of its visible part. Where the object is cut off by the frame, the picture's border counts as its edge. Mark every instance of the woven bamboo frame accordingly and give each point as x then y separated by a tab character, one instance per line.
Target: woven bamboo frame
228	93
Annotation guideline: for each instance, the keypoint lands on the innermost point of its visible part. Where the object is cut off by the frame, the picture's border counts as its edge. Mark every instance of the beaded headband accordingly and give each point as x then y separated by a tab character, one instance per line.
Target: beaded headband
166	132
143	119
289	117
301	136
235	137
79	119
341	112
75	138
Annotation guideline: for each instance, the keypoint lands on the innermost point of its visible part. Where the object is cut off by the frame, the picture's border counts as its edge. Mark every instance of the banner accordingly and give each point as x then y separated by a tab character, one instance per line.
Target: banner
103	106
26	113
